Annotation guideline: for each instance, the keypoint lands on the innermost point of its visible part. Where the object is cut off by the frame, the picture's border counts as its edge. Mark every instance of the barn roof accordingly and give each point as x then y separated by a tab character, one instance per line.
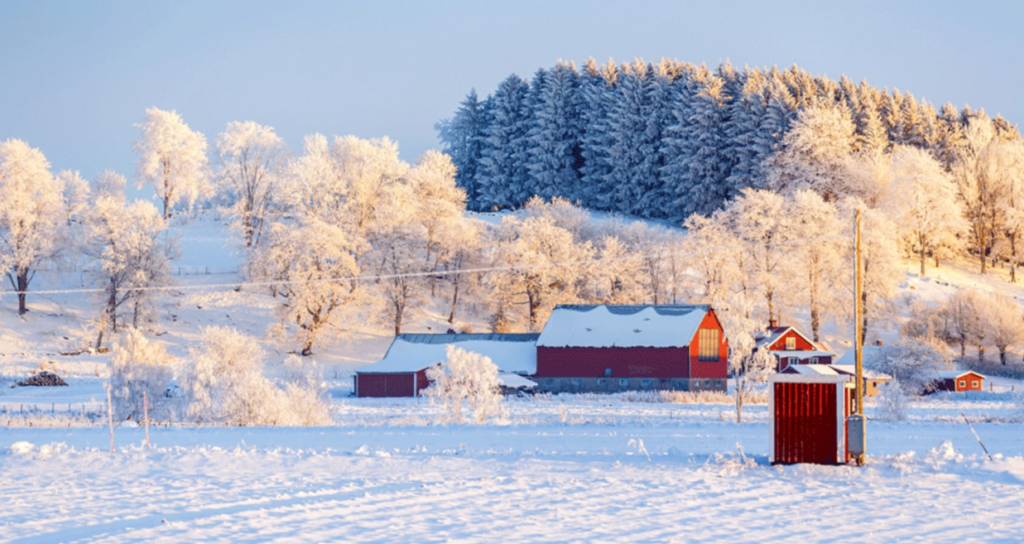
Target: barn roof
512	353
605	326
774	333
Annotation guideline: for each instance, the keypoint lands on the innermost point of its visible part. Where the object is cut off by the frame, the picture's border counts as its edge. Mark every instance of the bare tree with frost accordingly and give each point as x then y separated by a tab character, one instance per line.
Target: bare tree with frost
137	366
172	158
465	381
253	159
31	215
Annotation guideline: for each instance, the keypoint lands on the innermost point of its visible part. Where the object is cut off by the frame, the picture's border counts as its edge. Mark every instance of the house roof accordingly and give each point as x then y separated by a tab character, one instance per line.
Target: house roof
512	353
774	333
834	370
802	354
851	370
605	326
872	354
954	374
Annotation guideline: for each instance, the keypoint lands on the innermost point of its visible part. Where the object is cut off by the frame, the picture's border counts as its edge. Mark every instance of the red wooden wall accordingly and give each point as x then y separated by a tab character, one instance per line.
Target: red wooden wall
625	362
390	385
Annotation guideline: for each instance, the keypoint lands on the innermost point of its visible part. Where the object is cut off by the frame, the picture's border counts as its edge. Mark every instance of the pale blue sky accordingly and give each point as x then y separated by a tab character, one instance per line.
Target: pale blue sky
75	76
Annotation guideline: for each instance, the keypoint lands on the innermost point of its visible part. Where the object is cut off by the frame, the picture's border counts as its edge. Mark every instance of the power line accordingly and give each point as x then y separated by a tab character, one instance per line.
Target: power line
435	273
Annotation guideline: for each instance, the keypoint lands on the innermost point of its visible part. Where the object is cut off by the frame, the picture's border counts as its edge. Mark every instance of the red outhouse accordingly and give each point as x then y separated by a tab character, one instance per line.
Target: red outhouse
807	416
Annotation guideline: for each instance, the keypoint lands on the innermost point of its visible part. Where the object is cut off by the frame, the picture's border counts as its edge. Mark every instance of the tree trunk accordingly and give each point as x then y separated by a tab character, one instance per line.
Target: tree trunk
455	302
22	291
981	354
922	260
1002	355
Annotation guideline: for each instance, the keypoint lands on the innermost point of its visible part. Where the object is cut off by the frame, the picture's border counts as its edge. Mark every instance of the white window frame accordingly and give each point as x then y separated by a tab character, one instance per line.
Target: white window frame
791	343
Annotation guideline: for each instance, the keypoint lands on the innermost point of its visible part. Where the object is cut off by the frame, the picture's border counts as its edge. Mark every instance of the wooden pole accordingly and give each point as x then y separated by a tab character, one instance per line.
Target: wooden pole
110	418
145	416
858	342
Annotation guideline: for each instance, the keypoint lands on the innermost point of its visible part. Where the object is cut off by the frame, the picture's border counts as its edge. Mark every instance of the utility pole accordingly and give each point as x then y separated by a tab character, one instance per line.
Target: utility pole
856	424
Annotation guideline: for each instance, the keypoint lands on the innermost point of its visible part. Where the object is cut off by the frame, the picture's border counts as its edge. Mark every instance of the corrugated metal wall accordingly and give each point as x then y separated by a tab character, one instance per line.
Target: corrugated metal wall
807	422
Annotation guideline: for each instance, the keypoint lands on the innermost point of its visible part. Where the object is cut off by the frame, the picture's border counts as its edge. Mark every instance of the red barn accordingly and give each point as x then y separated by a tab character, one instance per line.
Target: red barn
791	347
957	380
607	348
403	370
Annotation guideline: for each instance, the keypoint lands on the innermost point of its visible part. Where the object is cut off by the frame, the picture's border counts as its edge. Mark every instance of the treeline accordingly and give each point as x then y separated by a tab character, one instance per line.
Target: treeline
670	139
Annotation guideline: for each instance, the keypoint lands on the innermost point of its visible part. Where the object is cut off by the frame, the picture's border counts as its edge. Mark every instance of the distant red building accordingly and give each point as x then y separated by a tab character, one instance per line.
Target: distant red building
791	347
957	380
607	348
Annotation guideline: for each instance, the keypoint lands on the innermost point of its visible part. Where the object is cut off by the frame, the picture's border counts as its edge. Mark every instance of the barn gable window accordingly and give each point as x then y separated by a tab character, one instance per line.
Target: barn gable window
790	344
707	347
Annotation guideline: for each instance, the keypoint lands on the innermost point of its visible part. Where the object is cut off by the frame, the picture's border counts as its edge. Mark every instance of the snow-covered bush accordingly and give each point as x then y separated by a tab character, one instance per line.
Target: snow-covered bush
466	378
1017	415
136	366
893	403
915	365
226	384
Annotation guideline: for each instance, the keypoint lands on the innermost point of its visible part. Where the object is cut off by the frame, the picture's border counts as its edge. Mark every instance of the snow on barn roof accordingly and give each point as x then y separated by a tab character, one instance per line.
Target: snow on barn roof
512	353
515	381
622	326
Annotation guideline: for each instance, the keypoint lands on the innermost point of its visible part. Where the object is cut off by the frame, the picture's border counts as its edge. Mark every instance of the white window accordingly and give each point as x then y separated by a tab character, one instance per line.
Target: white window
974	383
624	382
790	344
814	360
963	383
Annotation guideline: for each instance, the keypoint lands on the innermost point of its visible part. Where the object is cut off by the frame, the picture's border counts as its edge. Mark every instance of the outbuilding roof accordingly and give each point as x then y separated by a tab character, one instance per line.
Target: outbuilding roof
622	326
954	374
512	353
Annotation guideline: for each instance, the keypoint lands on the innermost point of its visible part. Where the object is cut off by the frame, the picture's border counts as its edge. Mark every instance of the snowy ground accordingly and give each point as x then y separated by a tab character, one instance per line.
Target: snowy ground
564	470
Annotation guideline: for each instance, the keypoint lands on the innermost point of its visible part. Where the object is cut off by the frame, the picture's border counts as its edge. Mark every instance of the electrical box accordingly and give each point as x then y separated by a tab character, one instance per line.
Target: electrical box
856	427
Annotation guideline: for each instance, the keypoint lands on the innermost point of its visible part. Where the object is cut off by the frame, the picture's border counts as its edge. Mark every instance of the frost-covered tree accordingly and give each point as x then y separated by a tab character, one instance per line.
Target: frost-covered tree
225	384
892	403
915	366
75	198
31	214
1001	315
465	381
923	202
1012	205
709	247
131	254
633	150
172	158
747	365
437	198
554	138
761	220
463	138
503	174
698	160
880	262
544	266
252	160
459	249
961	318
815	152
822	255
982	173
139	366
595	91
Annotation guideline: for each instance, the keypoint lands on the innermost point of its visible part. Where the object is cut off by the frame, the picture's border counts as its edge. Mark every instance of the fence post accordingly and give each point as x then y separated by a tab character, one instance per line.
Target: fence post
145	416
110	418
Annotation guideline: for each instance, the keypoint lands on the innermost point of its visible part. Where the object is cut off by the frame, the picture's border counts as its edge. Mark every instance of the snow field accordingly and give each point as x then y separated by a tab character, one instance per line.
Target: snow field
543	483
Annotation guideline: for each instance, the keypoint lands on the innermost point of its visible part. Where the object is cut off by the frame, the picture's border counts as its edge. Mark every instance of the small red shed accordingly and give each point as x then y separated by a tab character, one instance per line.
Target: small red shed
959	380
807	418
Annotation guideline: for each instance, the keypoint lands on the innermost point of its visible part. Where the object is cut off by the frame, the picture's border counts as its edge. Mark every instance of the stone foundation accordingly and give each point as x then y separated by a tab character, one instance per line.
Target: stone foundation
617	385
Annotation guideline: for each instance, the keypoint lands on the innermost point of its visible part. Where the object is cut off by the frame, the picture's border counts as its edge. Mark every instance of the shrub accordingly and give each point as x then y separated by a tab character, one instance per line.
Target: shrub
465	378
137	366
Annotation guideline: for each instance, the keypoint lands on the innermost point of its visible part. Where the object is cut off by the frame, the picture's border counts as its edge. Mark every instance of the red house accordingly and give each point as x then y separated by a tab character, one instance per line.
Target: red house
791	347
957	380
607	348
